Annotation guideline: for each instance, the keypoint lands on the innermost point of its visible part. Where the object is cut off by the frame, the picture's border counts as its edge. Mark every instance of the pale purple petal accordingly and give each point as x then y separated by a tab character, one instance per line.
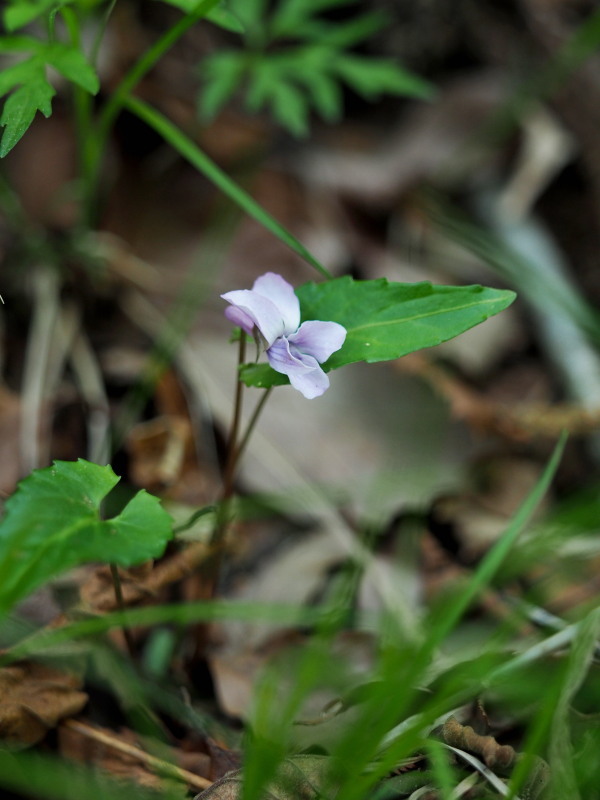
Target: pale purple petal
312	383
240	318
318	339
303	370
262	311
281	294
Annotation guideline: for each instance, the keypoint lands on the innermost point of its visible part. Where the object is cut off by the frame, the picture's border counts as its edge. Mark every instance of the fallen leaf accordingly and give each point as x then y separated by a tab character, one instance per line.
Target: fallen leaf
33	699
222	759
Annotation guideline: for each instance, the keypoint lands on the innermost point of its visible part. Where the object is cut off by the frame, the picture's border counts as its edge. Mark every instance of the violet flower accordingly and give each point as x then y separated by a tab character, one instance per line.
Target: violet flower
272	309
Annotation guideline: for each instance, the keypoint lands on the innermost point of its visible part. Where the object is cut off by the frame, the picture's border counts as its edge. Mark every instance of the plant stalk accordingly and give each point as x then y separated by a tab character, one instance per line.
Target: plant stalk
116	580
117	100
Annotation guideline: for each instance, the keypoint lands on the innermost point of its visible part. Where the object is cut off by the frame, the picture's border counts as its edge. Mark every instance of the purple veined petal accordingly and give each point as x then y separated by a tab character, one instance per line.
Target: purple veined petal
263	312
318	339
303	370
240	318
281	294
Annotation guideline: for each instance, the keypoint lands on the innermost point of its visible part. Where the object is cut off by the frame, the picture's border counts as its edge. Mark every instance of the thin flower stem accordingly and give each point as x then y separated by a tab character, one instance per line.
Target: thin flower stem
251	425
234	453
235	450
222	515
116	580
235	425
82	102
221	519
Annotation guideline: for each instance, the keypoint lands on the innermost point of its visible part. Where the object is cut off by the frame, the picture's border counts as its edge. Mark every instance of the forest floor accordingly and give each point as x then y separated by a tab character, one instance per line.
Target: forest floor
366	512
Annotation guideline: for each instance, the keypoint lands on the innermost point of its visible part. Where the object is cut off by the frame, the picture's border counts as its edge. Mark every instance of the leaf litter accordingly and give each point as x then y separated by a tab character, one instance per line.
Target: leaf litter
392	445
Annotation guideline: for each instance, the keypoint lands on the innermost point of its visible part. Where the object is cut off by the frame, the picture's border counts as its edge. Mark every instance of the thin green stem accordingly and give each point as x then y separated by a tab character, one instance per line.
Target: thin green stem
100	33
121	93
116	580
52	24
234	452
251	425
234	430
222	516
82	101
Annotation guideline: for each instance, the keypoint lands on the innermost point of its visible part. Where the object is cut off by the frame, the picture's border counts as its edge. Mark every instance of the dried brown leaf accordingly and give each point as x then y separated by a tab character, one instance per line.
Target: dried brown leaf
33	699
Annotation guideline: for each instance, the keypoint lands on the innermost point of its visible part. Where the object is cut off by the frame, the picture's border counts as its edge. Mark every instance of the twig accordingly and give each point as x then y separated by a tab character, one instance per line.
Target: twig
170	570
162	767
89	377
515	422
45	311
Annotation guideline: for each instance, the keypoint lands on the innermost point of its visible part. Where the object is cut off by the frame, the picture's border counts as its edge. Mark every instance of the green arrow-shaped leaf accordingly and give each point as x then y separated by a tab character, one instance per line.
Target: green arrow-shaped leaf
52	523
387	320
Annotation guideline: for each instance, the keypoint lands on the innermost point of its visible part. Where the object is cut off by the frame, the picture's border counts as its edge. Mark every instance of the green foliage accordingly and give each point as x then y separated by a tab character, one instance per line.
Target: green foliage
27	79
393	715
220	15
36	774
19	13
53	523
294	62
388	320
29	84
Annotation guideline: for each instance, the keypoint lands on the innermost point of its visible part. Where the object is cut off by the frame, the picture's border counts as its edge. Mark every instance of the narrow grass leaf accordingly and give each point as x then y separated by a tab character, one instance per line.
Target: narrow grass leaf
487	773
560	749
547	292
495	557
35	775
217	610
192	153
442	769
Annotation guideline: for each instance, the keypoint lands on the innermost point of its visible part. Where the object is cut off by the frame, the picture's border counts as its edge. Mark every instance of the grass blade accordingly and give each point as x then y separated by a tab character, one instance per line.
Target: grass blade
192	153
495	557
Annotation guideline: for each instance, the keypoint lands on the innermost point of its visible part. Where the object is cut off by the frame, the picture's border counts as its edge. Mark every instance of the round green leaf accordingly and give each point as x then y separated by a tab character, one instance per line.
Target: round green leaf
53	523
